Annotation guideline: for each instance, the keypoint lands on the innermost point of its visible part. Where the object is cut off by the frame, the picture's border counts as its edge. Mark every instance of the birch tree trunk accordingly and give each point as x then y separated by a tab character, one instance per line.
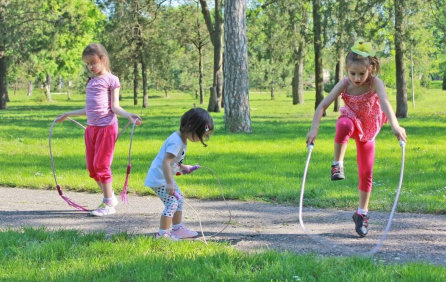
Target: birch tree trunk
237	112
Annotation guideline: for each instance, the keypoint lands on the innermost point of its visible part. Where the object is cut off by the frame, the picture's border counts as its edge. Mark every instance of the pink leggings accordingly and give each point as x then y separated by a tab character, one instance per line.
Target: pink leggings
345	129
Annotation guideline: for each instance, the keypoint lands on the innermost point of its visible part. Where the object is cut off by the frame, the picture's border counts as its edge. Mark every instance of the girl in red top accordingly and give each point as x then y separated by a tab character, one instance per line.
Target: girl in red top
366	109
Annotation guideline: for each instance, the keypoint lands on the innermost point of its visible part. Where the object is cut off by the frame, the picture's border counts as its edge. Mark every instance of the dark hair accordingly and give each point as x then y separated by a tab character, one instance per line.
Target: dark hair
197	121
96	49
352	57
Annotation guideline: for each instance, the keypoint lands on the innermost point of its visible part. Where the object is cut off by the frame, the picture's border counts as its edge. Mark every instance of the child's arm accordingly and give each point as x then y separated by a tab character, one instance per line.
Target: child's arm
80	112
117	109
167	171
325	103
399	131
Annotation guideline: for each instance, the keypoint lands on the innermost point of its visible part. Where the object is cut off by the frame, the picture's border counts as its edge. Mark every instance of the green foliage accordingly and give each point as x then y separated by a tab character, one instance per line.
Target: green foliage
41	255
266	165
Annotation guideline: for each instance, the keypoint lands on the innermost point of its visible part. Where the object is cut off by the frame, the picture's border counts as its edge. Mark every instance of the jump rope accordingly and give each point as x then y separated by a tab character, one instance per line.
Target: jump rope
124	197
316	238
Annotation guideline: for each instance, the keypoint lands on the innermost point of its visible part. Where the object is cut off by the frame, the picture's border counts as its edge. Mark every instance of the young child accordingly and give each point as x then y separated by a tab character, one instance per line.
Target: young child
366	109
196	125
101	107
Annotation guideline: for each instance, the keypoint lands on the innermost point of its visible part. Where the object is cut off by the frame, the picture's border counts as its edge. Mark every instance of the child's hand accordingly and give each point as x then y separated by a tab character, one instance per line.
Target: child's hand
61	118
132	118
400	133
170	189
311	136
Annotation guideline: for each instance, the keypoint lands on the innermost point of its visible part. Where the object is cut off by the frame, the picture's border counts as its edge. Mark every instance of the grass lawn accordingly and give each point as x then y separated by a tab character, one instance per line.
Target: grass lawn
266	165
41	255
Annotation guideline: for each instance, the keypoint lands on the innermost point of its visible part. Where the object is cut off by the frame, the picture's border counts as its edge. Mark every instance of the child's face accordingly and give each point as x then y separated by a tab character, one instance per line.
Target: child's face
94	64
358	73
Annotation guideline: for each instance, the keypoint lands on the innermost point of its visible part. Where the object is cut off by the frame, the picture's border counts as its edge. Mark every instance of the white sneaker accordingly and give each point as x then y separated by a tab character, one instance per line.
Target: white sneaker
103	209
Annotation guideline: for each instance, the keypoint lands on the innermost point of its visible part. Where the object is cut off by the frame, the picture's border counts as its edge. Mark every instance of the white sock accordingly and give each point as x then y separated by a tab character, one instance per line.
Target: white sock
162	231
107	200
176	226
340	163
361	211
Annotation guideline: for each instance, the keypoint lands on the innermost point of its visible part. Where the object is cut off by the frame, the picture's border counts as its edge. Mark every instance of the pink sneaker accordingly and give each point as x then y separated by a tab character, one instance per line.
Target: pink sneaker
182	233
167	235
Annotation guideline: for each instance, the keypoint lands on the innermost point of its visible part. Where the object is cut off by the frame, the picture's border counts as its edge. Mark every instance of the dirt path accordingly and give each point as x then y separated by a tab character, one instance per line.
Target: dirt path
413	237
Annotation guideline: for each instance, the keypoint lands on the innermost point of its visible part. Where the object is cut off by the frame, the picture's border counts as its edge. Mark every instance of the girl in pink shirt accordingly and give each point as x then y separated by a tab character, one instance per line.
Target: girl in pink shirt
366	109
101	107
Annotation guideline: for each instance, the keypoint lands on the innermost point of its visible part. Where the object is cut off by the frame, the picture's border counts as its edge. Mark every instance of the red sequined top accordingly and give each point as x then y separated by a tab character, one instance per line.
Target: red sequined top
365	112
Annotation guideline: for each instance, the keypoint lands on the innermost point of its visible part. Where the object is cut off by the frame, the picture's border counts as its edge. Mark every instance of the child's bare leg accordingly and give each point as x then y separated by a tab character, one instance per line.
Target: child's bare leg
165	222
107	189
364	198
339	151
100	186
177	217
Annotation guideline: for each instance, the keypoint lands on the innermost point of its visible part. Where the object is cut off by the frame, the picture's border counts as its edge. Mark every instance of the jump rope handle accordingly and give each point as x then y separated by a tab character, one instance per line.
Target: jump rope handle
402	143
310	147
192	169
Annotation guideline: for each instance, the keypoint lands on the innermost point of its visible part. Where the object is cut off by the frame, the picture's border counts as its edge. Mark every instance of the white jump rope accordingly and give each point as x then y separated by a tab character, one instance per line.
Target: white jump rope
389	222
195	167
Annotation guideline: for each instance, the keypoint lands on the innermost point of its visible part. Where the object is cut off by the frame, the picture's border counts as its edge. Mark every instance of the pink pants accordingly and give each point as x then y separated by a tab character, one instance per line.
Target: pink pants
99	149
345	129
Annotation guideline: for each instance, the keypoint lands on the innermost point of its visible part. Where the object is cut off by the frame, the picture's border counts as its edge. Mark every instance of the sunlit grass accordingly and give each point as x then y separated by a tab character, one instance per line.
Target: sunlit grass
265	165
41	255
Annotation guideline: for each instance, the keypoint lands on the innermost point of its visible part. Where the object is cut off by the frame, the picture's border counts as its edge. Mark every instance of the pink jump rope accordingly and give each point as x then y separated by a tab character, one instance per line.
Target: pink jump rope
389	222
124	197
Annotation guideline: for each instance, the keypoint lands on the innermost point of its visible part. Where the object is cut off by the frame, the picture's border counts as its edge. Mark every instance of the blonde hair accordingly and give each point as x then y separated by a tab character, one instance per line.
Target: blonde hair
97	49
352	57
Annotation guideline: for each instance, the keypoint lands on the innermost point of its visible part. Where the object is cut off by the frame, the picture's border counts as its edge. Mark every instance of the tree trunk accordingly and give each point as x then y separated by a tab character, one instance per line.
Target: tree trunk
401	87
237	112
48	87
339	75
135	83
216	34
319	81
30	88
3	84
200	75
3	63
60	83
145	102
69	89
444	79
298	81
272	93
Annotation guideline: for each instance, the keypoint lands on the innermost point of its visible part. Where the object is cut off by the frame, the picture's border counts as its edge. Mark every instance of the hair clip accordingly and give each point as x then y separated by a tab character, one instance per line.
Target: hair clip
363	48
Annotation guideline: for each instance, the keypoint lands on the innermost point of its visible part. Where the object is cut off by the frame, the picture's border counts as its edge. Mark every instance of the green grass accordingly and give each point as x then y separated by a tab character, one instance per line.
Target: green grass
41	255
266	165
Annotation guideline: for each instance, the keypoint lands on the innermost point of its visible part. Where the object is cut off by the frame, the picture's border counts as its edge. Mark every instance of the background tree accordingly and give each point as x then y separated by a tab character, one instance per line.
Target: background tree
237	112
317	42
400	48
216	34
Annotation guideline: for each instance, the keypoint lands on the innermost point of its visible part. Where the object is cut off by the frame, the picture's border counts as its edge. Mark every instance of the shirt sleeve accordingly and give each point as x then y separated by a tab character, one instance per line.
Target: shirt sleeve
173	148
114	82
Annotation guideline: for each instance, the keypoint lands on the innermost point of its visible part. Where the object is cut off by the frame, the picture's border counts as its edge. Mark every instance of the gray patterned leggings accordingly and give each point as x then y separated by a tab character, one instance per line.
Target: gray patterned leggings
171	203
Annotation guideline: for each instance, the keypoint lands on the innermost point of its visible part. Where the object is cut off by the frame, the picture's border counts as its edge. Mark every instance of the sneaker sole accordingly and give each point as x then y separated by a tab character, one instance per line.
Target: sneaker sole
337	178
101	214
